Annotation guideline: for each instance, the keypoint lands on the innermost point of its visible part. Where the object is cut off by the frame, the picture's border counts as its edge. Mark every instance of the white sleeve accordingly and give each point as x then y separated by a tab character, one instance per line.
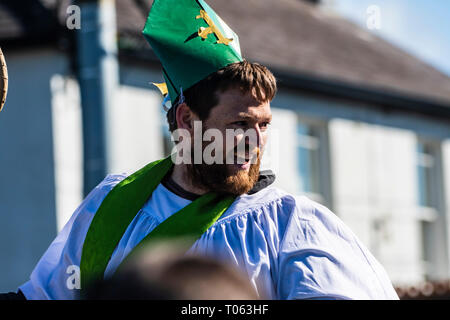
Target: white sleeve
321	258
56	276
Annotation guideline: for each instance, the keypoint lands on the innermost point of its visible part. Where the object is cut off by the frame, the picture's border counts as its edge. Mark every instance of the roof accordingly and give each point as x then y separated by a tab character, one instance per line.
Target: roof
293	37
298	38
38	23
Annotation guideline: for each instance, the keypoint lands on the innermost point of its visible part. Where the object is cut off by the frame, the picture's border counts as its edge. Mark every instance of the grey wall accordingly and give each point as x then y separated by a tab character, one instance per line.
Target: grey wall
27	188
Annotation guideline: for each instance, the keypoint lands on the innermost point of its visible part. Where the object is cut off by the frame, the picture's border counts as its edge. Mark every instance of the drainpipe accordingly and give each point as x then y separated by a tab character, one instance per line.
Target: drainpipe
97	71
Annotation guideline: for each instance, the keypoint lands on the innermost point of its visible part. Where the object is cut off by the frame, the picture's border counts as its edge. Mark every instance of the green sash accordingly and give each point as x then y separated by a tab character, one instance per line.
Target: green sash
121	205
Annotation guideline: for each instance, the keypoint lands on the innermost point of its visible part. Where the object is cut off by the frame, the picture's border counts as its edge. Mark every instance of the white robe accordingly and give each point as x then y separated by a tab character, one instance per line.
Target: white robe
289	246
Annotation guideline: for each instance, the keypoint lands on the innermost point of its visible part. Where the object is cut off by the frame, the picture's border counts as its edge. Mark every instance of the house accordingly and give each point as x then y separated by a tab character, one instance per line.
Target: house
359	125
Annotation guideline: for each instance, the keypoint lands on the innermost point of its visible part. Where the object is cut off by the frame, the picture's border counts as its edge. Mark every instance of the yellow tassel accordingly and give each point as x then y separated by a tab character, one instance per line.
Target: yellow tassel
162	87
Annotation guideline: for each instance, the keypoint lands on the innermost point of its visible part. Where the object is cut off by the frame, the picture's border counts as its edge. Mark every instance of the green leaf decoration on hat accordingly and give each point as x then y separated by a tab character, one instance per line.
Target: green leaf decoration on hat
190	40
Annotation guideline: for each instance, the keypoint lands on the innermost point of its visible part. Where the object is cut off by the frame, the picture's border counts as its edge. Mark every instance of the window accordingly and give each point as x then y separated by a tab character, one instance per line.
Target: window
429	201
425	168
312	160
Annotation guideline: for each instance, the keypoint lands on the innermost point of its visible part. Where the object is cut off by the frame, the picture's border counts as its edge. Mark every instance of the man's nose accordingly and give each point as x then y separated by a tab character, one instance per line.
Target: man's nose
257	141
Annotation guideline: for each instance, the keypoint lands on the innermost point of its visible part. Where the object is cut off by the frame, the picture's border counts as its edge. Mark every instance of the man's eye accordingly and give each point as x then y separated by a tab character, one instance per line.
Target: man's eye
265	125
240	123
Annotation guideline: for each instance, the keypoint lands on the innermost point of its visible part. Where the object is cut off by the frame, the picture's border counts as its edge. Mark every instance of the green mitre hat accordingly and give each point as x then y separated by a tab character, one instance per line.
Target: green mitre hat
190	40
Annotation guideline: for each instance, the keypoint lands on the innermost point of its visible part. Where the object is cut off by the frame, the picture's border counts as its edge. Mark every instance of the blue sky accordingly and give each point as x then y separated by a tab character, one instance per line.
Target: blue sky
421	27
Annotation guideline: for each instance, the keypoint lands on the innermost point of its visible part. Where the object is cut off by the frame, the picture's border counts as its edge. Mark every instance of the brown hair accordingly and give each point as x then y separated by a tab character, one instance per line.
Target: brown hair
249	77
164	271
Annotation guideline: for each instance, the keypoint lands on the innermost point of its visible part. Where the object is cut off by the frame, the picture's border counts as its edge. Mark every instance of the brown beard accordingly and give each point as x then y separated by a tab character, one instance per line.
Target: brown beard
217	177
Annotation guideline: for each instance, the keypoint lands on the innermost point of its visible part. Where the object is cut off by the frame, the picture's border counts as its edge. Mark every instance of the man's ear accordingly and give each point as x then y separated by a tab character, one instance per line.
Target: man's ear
185	117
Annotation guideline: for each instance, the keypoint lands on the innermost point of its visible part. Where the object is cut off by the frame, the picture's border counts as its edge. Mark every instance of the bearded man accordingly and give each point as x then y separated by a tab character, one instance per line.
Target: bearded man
288	246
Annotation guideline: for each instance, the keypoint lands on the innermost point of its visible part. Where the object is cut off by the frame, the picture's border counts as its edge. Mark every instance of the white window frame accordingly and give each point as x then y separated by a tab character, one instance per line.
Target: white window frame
432	216
322	142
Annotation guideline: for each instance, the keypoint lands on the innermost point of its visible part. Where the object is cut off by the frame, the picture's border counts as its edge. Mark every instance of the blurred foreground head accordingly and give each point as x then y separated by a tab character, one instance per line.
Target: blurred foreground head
165	272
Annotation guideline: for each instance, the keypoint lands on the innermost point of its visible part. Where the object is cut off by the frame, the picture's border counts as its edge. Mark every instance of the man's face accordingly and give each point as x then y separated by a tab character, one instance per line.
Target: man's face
243	123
